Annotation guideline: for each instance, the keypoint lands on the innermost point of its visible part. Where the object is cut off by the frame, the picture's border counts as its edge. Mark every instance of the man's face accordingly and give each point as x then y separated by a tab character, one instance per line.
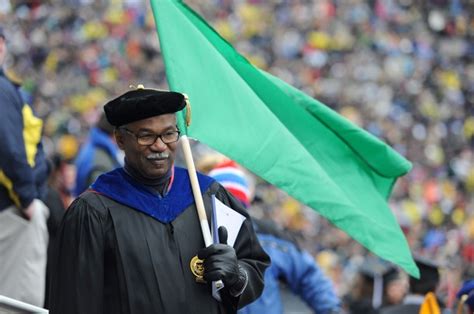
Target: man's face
3	50
151	161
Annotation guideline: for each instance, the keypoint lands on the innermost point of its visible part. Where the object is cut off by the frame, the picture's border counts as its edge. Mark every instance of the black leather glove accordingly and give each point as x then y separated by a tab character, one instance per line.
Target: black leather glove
220	263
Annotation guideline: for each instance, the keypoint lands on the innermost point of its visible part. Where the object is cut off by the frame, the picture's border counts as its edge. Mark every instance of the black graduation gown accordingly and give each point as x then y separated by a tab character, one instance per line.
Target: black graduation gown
115	259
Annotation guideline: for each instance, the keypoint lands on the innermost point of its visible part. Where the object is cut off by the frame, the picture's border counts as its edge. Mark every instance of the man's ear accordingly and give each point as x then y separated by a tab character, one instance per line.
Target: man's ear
119	138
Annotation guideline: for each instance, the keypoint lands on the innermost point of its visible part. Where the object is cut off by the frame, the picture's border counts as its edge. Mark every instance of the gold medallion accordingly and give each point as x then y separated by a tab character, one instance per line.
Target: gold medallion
197	268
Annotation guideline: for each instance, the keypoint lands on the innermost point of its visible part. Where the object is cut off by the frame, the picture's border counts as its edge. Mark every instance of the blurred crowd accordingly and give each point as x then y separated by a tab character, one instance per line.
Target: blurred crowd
401	69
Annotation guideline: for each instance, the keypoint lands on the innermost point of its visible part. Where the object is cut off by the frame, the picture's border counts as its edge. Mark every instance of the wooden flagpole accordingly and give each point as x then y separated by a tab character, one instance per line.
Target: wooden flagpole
188	156
206	231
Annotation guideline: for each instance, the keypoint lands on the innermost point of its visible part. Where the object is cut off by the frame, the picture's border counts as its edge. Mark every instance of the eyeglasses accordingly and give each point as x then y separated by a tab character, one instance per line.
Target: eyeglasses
150	138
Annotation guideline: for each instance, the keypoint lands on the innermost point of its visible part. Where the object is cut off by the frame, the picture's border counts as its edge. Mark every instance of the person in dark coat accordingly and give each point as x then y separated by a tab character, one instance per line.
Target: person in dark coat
133	242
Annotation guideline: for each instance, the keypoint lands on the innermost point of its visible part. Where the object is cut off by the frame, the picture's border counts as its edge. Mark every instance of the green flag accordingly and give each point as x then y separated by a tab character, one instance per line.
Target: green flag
283	135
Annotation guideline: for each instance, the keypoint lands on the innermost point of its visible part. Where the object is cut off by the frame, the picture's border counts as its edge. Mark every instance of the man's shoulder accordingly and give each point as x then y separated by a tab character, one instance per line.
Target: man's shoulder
4	79
182	175
94	202
181	171
10	95
6	84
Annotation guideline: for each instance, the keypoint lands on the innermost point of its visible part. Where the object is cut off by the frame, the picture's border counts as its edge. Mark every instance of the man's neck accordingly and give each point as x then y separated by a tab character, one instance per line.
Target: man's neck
159	184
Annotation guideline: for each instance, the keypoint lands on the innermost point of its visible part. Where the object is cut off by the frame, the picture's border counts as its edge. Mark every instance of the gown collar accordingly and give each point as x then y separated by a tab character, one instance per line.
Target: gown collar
124	189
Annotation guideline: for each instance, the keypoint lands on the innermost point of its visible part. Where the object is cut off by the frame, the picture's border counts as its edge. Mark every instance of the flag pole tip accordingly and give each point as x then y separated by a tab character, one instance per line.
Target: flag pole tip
139	86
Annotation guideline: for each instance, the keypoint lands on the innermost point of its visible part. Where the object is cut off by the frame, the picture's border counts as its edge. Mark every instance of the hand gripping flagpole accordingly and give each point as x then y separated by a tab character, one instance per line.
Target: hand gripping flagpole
188	156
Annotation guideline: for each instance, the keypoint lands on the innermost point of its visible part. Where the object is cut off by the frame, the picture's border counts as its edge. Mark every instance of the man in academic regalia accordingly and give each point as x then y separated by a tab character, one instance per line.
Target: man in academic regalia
132	243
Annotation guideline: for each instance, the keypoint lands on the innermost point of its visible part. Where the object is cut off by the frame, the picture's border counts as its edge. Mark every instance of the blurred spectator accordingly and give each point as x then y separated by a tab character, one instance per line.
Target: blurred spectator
62	179
465	296
99	154
290	264
395	288
422	293
377	284
56	200
23	176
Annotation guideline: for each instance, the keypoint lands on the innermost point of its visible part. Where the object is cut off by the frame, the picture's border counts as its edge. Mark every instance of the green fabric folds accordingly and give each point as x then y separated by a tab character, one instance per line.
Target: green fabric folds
283	135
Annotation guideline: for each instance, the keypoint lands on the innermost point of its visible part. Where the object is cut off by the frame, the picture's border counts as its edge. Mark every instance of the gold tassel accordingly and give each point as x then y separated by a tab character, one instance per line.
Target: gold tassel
188	110
430	305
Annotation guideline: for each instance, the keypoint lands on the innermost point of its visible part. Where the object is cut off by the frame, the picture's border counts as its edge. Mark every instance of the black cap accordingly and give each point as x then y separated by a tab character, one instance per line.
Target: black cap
142	103
429	276
378	273
2	32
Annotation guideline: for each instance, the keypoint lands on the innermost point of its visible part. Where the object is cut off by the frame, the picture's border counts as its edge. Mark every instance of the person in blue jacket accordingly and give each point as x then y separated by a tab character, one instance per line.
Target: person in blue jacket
23	183
289	263
98	155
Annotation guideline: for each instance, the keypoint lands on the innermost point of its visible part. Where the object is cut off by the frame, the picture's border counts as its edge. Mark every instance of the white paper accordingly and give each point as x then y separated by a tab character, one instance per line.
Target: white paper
9	305
230	219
